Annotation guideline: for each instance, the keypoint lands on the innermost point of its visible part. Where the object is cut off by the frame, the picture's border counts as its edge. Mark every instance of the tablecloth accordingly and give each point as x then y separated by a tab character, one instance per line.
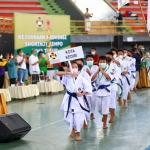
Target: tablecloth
3	106
52	86
21	92
6	94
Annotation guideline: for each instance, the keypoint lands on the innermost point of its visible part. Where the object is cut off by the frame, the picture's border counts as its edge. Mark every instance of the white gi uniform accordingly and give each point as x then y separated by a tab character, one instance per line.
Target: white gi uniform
126	79
104	91
132	69
114	84
75	114
92	99
85	75
120	84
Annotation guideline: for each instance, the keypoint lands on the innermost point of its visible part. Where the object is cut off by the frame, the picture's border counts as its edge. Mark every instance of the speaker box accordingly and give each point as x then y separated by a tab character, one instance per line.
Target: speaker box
12	127
118	41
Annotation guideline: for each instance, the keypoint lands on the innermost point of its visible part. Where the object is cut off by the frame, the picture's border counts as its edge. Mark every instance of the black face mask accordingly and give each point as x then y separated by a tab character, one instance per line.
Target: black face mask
80	67
108	60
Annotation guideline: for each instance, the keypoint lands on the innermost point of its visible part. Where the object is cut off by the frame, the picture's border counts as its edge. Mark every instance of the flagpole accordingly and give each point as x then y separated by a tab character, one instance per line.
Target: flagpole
144	18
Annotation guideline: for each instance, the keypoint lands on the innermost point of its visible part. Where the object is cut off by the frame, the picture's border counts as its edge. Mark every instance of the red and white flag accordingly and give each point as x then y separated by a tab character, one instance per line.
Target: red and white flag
121	3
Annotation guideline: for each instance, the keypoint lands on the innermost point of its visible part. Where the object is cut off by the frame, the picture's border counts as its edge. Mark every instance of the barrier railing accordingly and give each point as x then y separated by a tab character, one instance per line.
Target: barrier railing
90	27
108	27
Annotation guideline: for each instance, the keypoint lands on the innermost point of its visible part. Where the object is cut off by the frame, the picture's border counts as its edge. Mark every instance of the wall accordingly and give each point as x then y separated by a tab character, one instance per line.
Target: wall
6	43
100	9
103	48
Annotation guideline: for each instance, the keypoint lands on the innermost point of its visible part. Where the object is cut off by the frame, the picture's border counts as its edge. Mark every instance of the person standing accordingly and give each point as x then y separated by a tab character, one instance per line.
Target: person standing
95	56
42	62
34	67
21	59
87	20
137	57
11	65
119	24
2	71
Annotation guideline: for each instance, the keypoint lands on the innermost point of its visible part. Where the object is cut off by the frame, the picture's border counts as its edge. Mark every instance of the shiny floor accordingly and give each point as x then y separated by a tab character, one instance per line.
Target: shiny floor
131	130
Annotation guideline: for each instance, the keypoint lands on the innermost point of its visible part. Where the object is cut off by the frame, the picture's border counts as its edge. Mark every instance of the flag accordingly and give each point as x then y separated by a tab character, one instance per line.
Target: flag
148	17
121	3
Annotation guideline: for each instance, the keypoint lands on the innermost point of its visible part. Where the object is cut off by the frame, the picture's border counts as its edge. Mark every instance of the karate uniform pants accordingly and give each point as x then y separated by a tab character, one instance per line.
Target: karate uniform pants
103	104
75	120
126	89
92	102
113	99
132	83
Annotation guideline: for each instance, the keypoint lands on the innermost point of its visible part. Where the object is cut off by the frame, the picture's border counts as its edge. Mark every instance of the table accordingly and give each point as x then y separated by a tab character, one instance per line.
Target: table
6	94
3	106
52	86
21	92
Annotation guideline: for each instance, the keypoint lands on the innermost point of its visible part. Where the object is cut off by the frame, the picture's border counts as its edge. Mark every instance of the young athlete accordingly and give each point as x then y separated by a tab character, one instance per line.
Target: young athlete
90	68
133	72
73	104
103	80
84	74
118	61
114	84
125	73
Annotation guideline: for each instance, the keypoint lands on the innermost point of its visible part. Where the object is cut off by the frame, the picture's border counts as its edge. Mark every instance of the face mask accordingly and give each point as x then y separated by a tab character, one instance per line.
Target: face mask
75	70
12	56
1	56
114	56
108	60
89	63
22	54
80	67
125	55
93	53
103	65
120	56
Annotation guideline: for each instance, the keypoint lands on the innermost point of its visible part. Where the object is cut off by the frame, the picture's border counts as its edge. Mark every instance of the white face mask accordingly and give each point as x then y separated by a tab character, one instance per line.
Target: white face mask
93	53
114	56
103	65
125	54
12	56
22	54
120	56
75	70
1	56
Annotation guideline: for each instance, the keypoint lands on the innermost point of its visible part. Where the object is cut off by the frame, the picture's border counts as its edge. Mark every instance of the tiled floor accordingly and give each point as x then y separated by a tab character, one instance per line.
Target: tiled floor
131	130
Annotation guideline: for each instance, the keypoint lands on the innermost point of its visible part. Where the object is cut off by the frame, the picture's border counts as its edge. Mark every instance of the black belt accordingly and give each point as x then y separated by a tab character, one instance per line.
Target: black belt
69	102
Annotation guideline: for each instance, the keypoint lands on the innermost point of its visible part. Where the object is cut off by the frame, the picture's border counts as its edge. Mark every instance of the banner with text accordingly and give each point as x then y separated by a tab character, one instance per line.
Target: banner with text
66	55
31	31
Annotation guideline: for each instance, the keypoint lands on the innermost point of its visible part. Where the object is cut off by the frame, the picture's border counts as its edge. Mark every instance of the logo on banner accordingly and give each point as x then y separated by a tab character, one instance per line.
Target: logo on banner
39	21
53	55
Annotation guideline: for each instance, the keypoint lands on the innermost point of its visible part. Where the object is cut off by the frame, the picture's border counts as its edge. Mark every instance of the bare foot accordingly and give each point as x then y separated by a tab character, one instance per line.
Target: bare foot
111	120
85	126
102	119
135	89
72	133
78	137
105	127
124	106
92	117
